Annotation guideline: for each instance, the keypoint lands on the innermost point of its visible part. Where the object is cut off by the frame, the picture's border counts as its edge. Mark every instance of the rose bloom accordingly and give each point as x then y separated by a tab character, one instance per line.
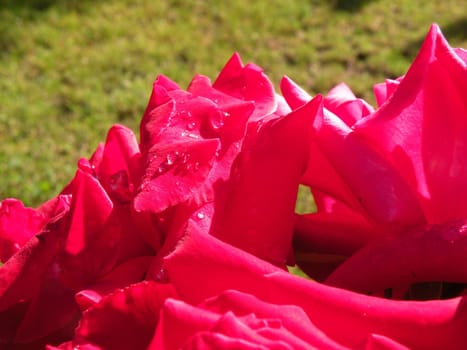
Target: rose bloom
181	240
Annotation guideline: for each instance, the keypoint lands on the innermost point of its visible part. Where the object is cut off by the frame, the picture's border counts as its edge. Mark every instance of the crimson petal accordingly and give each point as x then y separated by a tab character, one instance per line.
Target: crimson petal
17	225
175	173
125	319
249	83
403	260
258	213
347	317
422	130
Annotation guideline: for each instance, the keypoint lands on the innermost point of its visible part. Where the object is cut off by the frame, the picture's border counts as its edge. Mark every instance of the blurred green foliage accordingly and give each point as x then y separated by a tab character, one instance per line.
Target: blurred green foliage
70	69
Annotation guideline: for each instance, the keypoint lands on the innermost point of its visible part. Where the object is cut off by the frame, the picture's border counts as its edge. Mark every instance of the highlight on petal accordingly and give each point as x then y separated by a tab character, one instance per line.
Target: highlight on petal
383	91
293	94
341	101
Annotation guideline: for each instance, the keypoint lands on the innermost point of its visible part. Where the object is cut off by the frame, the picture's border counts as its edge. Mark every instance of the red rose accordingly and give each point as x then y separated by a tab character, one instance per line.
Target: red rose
389	171
181	240
85	246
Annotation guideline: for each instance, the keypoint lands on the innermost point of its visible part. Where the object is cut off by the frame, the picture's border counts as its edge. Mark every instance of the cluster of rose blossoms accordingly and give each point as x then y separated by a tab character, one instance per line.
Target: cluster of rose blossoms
181	240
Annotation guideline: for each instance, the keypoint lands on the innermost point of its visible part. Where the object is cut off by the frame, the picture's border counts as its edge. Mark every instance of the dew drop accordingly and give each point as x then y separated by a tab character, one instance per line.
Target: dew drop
185	157
120	186
118	180
191	126
162	276
217	119
171	158
200	216
163	167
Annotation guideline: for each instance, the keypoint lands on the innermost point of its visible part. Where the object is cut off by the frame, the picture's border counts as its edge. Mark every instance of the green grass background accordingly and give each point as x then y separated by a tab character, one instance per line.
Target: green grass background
70	69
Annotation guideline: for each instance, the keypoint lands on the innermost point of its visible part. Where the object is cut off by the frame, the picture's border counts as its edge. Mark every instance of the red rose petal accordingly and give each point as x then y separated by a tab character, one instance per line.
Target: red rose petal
347	317
378	187
17	225
341	101
422	130
247	83
402	260
132	271
258	214
120	168
125	319
175	173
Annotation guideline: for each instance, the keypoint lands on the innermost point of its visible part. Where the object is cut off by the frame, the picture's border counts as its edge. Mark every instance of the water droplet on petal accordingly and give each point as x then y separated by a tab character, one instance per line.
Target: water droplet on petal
163	167
191	125
185	157
217	119
120	186
171	158
200	216
162	276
